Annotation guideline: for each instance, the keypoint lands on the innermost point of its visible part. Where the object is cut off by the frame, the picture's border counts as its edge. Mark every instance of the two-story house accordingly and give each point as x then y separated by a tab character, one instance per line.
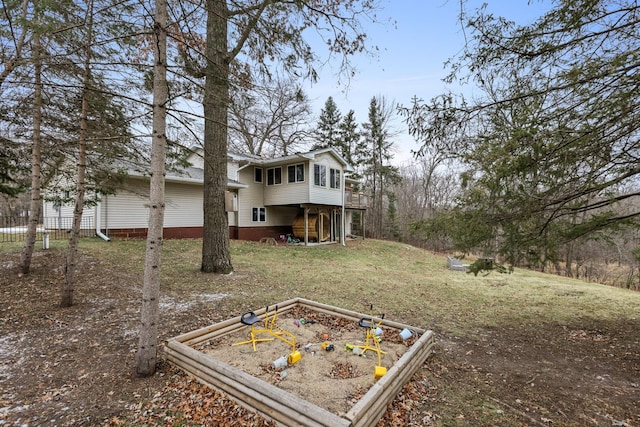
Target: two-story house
307	195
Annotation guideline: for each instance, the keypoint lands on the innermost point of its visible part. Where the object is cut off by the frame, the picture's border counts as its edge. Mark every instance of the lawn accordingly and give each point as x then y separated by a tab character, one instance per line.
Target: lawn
513	349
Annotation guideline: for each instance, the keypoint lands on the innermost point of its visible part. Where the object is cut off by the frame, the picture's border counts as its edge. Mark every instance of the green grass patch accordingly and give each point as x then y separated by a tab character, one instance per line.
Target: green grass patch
406	283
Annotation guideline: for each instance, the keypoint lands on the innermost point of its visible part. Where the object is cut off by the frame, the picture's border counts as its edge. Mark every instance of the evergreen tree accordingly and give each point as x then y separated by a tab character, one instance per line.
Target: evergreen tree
12	170
392	229
327	133
80	105
379	174
352	145
550	141
146	357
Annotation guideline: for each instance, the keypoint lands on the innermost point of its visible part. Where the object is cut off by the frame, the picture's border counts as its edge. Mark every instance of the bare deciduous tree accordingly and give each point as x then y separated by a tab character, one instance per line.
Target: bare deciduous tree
270	118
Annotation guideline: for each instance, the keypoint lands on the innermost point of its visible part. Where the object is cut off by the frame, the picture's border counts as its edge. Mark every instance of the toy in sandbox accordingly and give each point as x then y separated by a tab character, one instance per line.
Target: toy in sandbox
373	332
269	327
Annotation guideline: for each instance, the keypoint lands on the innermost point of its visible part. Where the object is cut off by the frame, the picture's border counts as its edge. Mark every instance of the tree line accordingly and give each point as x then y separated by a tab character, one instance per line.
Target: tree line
547	148
540	168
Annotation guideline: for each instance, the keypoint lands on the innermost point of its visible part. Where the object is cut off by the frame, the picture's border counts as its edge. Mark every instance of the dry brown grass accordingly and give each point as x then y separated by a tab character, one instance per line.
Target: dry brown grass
519	349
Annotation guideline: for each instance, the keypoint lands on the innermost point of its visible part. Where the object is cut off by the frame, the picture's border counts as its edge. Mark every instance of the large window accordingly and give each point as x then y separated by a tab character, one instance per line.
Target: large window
257	172
274	176
296	173
258	214
320	175
334	178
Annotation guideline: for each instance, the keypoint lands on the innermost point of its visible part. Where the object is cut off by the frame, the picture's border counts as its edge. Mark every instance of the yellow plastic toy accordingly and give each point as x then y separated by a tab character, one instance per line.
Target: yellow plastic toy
269	327
372	337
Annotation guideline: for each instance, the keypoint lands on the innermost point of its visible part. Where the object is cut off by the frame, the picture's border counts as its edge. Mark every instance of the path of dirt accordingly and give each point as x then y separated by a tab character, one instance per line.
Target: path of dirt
72	367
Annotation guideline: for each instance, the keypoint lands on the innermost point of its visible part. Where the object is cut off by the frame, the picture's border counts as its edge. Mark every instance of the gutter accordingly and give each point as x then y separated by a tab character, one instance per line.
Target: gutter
98	215
240	168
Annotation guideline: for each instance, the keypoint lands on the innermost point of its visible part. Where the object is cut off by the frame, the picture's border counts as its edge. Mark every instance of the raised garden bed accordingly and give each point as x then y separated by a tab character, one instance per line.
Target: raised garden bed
208	355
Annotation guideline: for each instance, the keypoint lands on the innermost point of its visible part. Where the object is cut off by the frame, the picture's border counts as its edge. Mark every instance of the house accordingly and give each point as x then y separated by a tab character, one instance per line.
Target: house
306	195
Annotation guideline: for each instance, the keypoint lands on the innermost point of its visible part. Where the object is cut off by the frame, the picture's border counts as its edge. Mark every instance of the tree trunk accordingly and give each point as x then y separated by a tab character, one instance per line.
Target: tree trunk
146	357
36	161
216	256
66	299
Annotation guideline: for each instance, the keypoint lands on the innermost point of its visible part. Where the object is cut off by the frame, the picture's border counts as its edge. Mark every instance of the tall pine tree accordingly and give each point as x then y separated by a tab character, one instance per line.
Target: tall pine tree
378	172
327	133
351	144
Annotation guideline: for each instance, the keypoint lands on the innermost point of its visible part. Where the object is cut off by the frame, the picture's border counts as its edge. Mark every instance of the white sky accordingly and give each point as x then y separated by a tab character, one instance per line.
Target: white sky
412	56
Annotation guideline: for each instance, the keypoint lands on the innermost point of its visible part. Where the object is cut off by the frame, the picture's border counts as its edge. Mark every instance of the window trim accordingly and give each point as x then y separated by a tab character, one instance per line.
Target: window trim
334	178
274	176
319	175
255	214
295	177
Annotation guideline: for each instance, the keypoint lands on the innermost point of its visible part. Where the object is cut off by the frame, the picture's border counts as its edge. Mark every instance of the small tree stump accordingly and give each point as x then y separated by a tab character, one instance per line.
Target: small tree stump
269	241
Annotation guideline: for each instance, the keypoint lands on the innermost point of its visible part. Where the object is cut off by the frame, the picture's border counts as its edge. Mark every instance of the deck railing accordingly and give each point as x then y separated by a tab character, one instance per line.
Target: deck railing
354	200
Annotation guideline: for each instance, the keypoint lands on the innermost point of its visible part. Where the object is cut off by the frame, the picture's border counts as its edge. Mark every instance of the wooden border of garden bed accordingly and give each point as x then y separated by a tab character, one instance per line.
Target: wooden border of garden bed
284	407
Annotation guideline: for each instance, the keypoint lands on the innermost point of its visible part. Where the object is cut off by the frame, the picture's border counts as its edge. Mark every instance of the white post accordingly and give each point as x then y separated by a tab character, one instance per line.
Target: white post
343	220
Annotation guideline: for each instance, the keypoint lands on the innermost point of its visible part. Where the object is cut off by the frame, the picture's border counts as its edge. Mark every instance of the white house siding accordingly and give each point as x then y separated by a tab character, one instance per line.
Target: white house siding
232	170
325	195
62	217
288	193
232	213
281	215
126	213
197	161
248	198
183	205
127	208
292	193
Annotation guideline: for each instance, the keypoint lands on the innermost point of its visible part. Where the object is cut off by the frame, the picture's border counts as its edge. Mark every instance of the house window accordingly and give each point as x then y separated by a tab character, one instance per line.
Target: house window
258	214
296	173
320	175
334	178
257	174
274	176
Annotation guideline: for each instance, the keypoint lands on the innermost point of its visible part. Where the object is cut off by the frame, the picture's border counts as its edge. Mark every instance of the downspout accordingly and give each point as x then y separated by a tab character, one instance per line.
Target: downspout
98	217
343	220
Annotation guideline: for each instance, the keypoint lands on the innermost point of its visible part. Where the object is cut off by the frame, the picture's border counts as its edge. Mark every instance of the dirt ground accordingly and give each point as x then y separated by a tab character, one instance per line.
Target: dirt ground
73	367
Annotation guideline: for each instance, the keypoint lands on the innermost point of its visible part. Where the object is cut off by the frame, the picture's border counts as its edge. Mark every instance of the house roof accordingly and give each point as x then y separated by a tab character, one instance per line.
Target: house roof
309	155
196	175
189	175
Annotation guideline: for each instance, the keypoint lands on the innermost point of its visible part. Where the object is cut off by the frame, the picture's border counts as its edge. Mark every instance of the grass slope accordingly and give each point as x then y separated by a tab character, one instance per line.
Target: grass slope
520	349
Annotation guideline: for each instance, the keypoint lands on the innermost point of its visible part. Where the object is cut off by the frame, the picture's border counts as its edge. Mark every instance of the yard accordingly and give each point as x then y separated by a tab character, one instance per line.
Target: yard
519	349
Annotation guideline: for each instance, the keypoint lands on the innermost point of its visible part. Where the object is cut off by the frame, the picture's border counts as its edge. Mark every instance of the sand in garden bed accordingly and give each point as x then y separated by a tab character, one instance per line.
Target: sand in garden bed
333	380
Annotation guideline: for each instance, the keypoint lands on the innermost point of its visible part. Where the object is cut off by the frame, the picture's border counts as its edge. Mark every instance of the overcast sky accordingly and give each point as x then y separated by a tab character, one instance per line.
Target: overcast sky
412	56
